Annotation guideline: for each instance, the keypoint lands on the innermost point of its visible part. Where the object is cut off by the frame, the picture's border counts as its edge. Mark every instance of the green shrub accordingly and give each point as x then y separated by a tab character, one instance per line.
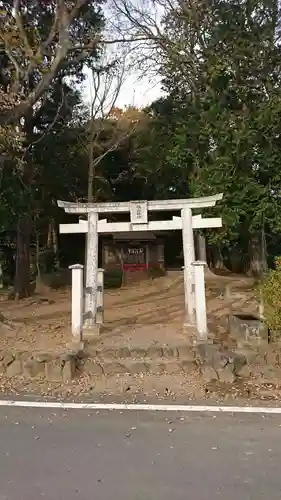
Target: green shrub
113	278
271	295
58	279
156	271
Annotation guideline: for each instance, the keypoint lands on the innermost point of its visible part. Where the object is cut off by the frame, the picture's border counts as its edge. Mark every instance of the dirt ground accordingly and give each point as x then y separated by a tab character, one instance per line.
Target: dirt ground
145	313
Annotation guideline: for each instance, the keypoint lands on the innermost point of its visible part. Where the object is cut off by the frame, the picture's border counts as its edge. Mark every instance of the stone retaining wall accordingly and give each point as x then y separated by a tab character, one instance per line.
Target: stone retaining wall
53	367
214	362
109	361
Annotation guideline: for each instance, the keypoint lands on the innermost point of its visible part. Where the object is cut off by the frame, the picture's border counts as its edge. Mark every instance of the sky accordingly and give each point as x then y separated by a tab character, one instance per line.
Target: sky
134	92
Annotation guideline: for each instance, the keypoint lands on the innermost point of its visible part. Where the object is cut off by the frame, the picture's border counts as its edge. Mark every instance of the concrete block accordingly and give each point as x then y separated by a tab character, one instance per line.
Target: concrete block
244	372
91	333
33	368
226	374
247	329
53	370
209	374
14	369
8	358
42	357
68	371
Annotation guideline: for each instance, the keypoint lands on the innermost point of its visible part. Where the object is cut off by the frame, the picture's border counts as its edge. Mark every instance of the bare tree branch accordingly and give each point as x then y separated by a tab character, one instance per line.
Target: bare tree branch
22	32
35	58
162	24
105	131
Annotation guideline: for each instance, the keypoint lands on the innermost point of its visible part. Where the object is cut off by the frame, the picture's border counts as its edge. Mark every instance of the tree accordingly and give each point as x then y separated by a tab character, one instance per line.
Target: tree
102	132
59	167
221	69
42	44
39	40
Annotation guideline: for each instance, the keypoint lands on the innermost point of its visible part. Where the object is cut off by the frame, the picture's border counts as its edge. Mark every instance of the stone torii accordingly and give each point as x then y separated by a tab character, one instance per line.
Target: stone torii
139	222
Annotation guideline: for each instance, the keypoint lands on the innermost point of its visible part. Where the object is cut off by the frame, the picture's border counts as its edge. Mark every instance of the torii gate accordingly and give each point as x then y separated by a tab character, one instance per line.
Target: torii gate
139	222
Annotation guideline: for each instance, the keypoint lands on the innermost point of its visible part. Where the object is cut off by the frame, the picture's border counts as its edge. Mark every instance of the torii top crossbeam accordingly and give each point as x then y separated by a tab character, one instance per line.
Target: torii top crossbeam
153	205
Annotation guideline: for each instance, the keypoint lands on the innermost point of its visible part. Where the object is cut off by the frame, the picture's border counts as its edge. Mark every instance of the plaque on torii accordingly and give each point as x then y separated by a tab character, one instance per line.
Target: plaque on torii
138	213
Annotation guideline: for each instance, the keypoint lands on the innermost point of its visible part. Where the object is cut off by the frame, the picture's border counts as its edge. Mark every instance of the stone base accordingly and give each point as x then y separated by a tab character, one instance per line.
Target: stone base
75	346
190	333
53	367
217	363
192	338
93	332
247	329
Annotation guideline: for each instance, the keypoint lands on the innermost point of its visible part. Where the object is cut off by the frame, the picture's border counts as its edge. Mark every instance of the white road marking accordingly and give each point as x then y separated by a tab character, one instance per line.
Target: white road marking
142	407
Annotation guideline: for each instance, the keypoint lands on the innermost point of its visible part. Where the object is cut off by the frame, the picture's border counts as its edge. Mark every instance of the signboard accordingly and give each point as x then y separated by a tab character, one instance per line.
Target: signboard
135	251
138	212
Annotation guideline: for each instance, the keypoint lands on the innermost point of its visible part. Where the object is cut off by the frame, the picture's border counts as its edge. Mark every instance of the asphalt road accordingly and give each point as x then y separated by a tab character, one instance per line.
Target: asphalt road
147	456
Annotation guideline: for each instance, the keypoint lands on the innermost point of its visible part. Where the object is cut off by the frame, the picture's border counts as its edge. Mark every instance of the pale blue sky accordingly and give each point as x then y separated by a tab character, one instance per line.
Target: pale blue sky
135	91
140	88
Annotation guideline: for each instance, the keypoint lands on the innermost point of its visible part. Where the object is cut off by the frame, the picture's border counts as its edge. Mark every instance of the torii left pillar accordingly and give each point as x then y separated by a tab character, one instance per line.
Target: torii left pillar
189	258
91	275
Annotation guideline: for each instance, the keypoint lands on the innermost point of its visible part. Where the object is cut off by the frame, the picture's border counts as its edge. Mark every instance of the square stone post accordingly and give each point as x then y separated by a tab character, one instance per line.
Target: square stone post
200	300
189	257
77	301
161	258
100	293
91	271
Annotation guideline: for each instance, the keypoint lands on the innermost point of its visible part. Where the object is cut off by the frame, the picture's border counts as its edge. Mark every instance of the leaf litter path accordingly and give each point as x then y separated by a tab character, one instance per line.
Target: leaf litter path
145	313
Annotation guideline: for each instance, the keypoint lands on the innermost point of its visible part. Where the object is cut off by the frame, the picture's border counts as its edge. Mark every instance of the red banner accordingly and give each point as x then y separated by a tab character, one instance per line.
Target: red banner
134	267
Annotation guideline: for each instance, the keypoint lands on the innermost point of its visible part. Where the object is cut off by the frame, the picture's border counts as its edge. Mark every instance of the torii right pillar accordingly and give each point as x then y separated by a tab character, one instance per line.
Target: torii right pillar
189	258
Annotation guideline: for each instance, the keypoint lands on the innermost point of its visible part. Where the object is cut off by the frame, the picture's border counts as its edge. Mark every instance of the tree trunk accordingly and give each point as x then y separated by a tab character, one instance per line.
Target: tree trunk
50	235
52	242
22	278
22	282
257	255
55	245
38	286
236	261
216	258
264	251
255	264
201	247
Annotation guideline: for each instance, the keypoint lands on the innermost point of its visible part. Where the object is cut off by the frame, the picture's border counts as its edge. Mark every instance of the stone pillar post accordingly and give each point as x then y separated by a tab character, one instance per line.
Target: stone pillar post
100	293
189	257
77	301
200	300
91	272
161	258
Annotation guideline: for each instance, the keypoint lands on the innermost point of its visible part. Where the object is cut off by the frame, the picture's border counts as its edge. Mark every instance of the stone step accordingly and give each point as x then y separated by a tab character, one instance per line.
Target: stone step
109	367
183	351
